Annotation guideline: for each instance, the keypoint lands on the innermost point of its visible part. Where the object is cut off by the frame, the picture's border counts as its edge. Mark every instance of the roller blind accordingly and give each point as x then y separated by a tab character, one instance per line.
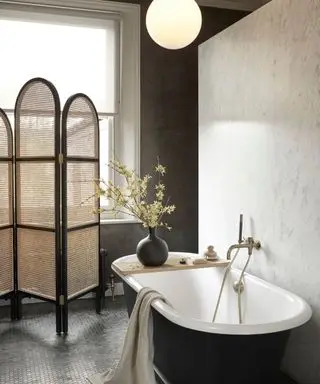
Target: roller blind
77	54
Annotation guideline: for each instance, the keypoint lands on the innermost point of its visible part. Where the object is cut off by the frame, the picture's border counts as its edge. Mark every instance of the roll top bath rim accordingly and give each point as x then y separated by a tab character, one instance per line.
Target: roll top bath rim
194	292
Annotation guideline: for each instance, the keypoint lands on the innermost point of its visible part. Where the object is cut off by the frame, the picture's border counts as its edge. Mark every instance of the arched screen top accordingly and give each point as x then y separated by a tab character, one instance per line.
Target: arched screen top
6	144
80	125
37	119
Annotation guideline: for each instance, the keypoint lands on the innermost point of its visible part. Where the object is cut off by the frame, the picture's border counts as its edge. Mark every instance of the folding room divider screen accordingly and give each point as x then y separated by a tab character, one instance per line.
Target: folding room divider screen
6	210
80	216
37	179
56	231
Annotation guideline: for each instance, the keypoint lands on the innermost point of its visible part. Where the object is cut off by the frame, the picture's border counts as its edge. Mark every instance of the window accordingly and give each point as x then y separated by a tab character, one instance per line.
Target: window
94	51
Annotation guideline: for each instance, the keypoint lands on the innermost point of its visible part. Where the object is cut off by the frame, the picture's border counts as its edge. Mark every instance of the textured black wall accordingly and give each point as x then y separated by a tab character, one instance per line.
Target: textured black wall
169	129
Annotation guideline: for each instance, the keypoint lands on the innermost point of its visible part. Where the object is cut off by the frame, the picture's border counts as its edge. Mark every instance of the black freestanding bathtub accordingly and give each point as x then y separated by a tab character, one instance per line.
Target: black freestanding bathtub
190	349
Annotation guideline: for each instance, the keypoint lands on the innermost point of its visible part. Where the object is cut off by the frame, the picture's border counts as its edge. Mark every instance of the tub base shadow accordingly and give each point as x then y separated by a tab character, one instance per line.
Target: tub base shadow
185	356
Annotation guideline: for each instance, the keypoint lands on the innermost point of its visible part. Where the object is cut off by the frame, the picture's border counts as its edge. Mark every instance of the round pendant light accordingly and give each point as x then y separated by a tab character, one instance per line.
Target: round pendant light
173	24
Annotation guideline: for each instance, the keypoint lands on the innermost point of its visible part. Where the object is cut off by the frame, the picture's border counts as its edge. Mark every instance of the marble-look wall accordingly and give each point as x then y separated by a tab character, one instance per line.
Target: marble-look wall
259	154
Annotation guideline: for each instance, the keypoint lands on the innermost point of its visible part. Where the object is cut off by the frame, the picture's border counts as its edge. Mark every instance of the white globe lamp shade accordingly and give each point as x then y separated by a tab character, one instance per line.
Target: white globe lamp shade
173	24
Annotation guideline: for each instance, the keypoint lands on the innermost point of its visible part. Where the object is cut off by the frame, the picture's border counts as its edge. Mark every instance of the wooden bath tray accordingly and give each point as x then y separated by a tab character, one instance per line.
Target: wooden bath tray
131	267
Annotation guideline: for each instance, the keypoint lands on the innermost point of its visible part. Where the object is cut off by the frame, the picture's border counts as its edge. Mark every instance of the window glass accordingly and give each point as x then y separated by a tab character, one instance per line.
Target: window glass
76	55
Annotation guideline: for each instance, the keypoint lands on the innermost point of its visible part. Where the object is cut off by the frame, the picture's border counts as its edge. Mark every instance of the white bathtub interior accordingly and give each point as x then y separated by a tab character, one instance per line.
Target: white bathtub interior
194	294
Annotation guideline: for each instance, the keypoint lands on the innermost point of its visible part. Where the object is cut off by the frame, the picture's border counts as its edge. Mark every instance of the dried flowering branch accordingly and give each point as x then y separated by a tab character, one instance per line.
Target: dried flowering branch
138	197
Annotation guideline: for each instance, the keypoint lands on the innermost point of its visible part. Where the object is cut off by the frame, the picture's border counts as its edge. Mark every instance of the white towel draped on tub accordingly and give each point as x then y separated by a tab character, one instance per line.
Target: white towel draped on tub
136	363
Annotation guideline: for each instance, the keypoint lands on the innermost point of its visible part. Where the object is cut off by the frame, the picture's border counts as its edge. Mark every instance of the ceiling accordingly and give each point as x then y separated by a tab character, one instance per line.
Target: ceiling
245	5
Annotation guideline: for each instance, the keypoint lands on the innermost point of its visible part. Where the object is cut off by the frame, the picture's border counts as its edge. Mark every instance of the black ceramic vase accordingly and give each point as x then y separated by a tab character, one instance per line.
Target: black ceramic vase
152	251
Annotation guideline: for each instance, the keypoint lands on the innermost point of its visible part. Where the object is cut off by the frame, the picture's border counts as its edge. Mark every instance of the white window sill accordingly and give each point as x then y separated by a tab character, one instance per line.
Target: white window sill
119	221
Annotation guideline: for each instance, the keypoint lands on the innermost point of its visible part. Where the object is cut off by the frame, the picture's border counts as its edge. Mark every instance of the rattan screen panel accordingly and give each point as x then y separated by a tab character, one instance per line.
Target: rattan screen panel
36	262
35	119
82	128
35	193
83	260
6	206
81	186
80	171
6	261
5	194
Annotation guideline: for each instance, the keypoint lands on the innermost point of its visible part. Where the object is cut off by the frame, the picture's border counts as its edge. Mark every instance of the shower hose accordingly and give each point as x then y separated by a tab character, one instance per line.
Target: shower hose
227	271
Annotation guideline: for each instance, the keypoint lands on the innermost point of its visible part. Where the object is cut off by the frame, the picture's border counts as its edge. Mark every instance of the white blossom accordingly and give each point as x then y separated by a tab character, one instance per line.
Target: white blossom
138	197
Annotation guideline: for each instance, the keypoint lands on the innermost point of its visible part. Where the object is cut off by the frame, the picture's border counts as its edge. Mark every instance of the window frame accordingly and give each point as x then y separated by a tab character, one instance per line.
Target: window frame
125	134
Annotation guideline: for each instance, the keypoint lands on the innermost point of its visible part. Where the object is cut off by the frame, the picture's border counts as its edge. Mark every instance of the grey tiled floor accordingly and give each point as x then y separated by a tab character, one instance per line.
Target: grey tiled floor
31	352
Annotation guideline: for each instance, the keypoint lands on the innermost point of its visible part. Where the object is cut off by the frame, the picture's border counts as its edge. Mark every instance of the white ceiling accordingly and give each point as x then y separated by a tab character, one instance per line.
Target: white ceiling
245	5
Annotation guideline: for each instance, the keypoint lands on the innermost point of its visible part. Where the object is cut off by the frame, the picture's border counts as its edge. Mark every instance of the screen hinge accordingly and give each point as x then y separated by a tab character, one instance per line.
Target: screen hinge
60	158
61	300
